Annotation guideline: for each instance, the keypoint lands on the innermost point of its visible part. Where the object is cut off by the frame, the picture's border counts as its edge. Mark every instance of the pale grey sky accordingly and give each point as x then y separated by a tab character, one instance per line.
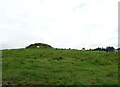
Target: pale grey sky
60	23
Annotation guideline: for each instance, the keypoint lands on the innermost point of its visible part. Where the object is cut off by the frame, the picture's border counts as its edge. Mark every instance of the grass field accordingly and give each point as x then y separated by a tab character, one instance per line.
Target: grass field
59	67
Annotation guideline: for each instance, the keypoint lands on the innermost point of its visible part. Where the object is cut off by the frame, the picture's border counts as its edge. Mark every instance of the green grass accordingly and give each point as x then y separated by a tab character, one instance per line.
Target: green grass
59	67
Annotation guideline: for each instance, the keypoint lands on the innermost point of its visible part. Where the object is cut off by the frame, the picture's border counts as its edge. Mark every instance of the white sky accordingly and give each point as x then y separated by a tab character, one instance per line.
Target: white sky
59	23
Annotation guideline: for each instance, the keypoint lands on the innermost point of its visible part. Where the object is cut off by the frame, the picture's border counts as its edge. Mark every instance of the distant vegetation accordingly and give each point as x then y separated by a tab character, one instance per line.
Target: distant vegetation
109	48
59	66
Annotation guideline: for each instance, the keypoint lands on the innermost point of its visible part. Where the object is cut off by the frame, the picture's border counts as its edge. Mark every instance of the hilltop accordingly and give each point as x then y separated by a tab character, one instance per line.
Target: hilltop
39	45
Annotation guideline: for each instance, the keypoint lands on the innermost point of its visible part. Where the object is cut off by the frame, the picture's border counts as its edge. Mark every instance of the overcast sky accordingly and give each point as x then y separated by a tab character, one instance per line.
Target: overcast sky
59	23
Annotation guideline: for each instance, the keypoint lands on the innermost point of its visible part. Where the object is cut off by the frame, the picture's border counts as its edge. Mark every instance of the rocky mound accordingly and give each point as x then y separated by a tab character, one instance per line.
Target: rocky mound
39	45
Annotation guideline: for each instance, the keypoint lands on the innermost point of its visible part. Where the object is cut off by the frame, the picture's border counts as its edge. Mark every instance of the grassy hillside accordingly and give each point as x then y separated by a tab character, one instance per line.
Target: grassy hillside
59	67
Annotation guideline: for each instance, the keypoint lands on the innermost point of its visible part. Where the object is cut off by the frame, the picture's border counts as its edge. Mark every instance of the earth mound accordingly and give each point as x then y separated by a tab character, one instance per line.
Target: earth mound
39	45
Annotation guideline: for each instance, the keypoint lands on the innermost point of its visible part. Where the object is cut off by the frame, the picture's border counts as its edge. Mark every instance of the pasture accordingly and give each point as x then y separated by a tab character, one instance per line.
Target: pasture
59	67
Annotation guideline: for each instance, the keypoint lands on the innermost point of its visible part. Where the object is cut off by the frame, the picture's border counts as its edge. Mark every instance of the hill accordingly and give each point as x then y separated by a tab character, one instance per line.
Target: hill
59	67
39	45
